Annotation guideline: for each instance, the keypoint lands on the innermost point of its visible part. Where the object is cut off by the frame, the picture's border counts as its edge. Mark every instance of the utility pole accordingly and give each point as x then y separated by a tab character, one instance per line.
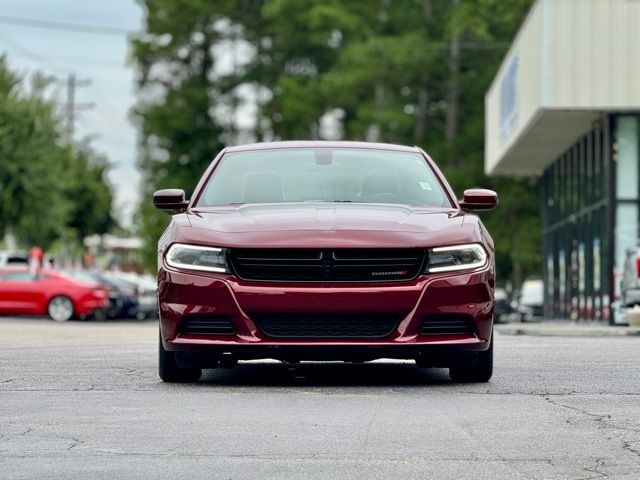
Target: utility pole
72	107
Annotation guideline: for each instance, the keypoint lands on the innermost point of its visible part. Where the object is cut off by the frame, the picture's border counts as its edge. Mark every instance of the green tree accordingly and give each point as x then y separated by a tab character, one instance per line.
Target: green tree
403	71
32	204
90	194
47	187
179	135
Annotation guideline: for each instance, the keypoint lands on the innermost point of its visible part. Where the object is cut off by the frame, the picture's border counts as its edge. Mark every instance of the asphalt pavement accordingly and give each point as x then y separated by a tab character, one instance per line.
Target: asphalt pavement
82	400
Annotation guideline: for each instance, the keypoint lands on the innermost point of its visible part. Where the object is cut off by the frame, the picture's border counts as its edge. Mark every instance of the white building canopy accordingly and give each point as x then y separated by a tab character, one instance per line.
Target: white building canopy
570	61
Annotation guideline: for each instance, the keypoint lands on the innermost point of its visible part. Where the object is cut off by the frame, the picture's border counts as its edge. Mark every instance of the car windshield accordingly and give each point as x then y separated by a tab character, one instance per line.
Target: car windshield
120	283
78	275
324	175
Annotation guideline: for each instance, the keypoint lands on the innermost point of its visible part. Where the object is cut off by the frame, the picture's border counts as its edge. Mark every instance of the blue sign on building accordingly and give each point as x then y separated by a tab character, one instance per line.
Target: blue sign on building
509	99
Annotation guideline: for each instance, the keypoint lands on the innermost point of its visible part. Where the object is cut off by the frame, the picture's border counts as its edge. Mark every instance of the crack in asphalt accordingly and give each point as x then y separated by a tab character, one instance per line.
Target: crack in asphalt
595	470
414	456
234	389
628	446
562	436
604	421
397	457
29	432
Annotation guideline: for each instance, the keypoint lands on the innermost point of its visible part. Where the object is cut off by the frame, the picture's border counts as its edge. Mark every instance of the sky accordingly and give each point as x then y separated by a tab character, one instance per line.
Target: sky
100	58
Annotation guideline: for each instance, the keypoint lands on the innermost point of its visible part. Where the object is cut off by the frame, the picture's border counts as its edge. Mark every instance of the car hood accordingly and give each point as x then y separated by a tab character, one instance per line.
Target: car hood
336	225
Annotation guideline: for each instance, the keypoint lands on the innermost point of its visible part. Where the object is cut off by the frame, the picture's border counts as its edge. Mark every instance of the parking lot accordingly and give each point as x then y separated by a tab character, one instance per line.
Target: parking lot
82	399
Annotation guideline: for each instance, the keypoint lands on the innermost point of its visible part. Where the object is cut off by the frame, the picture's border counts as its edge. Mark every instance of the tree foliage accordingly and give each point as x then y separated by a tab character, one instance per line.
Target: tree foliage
402	71
48	189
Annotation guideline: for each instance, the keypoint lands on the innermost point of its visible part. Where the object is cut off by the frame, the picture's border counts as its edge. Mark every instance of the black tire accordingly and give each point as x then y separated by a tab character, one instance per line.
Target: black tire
228	362
115	307
423	363
480	372
169	371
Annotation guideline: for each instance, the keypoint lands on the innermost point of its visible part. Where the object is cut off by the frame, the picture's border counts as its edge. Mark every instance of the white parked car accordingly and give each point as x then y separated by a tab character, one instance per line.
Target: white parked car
531	300
630	286
12	259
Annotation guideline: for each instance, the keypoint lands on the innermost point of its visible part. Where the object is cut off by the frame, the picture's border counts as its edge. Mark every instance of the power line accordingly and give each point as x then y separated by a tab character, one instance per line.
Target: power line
96	61
66	26
73	60
32	55
107	30
70	107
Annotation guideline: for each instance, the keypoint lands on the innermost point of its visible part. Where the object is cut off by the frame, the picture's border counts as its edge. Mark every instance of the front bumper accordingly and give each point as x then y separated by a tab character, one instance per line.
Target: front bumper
631	297
88	304
182	294
147	304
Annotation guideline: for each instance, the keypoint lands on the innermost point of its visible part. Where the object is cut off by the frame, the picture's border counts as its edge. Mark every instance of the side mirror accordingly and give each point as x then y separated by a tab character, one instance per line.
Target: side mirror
170	200
478	199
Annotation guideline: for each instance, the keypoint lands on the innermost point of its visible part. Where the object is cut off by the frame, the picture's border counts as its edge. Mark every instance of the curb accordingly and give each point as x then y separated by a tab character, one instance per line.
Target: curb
551	330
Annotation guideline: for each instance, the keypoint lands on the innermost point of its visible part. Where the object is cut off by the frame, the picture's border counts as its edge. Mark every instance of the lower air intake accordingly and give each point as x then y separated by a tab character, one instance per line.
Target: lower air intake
447	325
206	325
327	325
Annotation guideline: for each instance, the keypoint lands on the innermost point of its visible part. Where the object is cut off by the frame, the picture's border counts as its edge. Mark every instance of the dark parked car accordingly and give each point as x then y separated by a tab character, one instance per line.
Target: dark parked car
325	251
140	290
122	296
502	310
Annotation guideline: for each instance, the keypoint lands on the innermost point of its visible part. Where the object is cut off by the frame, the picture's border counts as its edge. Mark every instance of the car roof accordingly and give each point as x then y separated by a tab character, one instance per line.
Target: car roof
321	144
24	268
14	268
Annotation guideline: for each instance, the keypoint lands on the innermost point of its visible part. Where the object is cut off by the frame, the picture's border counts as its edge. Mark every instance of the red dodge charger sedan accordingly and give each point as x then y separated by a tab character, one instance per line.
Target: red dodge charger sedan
325	251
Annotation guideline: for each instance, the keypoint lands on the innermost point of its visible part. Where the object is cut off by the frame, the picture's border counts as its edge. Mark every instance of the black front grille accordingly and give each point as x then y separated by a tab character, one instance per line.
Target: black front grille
327	325
447	324
327	265
206	325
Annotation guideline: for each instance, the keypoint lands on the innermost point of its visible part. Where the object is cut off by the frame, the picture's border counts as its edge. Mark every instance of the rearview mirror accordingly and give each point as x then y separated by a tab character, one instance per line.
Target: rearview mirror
170	200
478	199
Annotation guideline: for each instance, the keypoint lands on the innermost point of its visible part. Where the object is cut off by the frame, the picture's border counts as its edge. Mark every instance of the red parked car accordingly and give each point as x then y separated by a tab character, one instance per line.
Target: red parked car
49	292
325	251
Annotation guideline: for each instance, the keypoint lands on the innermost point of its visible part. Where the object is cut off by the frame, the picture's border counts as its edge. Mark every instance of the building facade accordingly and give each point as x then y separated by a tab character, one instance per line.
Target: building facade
565	108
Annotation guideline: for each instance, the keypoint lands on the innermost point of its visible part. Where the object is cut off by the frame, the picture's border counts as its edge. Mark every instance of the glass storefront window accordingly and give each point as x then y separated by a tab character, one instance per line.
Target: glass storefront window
574	221
627	146
627	161
586	227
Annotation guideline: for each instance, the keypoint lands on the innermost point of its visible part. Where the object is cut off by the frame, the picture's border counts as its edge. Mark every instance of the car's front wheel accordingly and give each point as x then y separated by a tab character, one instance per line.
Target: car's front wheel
480	372
60	308
168	369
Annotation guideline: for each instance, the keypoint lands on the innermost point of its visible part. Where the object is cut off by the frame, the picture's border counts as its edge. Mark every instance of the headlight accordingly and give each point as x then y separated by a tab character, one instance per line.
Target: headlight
457	257
192	257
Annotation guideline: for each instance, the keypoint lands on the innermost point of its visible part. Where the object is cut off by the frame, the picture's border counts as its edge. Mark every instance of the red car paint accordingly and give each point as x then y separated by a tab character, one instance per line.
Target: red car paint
340	225
31	294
